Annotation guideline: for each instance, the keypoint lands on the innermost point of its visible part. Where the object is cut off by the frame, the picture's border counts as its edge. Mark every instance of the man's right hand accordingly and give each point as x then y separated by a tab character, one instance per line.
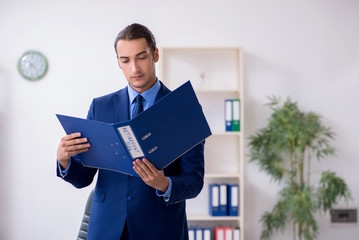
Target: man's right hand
71	145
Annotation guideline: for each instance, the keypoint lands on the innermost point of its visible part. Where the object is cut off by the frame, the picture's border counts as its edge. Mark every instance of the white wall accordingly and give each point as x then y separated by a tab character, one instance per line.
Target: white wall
304	49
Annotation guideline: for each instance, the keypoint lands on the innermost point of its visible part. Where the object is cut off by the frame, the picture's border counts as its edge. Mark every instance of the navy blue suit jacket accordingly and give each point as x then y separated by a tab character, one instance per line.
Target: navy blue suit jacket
118	197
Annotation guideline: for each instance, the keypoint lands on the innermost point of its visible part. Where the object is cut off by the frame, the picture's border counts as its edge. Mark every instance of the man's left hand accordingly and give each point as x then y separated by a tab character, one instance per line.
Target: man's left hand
151	175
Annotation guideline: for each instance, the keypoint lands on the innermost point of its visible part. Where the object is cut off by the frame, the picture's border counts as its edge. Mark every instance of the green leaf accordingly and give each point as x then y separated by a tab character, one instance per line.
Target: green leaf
331	189
280	150
272	221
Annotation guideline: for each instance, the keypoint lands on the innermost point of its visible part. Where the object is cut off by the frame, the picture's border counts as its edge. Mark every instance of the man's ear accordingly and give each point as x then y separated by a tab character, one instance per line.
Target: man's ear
156	56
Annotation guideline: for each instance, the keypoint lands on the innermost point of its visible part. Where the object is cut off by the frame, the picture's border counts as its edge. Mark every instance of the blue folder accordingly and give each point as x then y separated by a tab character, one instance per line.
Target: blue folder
214	200
233	199
162	133
223	200
228	114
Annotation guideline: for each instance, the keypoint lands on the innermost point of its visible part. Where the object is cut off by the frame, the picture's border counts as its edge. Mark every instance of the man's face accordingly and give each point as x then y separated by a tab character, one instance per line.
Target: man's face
137	63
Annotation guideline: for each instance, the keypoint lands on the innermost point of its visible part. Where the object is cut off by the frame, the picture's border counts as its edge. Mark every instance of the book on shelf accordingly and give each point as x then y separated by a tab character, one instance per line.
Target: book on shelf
207	234
191	234
232	115
227	233
219	233
233	199
214	200
200	234
236	115
228	114
223	233
223	199
223	206
236	234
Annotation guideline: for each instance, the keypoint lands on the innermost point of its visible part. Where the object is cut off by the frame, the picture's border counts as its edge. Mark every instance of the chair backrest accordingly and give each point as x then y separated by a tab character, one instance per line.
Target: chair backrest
86	218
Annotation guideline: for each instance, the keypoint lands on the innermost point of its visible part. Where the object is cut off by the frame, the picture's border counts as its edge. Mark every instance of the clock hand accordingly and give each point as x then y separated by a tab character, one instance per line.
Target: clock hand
33	66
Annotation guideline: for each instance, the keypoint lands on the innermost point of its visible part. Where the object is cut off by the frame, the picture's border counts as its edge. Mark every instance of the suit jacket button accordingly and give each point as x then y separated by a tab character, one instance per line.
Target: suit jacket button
129	198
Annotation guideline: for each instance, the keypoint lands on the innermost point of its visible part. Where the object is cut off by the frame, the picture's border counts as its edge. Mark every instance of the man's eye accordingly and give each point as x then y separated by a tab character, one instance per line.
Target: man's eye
143	57
124	61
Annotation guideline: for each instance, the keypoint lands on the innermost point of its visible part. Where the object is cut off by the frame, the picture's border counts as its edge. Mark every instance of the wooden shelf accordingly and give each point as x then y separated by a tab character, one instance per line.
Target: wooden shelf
212	218
216	75
222	133
221	91
221	175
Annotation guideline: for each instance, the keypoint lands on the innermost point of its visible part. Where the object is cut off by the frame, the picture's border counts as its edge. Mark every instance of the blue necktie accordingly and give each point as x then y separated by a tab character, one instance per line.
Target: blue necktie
139	106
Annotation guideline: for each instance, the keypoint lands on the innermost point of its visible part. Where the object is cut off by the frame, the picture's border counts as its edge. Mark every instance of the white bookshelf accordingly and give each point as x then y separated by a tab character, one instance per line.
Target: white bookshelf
216	74
209	218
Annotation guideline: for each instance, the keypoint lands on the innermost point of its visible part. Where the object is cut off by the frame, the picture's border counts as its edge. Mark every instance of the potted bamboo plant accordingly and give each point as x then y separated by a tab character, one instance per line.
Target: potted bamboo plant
284	149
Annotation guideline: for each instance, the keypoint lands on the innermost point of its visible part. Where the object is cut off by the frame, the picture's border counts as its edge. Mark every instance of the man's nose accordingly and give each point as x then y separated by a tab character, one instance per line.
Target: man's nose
134	66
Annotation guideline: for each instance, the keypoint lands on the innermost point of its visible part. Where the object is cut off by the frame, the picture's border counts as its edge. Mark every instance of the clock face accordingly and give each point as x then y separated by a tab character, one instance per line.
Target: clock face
32	65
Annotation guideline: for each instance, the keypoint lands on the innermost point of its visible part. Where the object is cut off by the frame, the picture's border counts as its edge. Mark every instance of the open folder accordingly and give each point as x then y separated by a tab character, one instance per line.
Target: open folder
162	133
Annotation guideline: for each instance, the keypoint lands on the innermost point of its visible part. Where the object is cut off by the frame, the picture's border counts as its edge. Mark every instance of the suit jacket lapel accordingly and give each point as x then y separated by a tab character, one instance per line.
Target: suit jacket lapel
162	92
121	102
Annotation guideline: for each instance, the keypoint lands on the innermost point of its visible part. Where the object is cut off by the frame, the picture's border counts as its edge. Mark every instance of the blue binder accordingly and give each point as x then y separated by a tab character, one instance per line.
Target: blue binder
214	200
207	234
162	133
191	234
223	200
199	234
228	114
233	199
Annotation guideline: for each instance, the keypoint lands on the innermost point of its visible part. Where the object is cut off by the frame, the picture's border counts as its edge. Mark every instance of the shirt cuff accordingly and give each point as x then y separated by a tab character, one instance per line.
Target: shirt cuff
63	173
166	196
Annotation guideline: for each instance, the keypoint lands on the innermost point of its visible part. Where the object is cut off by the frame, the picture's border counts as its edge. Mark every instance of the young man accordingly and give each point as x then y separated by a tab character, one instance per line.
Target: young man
125	207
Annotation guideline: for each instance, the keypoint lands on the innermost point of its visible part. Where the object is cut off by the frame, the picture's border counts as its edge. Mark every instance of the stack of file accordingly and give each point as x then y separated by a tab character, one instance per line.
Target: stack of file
232	114
223	199
227	233
200	234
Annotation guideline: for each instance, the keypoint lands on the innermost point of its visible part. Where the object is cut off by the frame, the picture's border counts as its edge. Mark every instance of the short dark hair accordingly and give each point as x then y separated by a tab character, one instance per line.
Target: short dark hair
136	31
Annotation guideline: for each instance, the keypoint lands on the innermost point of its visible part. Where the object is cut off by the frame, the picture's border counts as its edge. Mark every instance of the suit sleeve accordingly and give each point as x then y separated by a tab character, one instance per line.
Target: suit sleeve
77	174
189	182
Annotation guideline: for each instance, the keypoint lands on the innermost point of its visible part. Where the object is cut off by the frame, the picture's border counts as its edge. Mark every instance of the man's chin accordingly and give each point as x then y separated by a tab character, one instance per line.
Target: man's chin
140	86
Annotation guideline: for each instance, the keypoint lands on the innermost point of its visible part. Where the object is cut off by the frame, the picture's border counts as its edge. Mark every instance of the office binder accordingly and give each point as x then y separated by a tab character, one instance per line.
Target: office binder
228	233
191	234
228	114
207	234
199	234
236	234
236	115
219	233
223	200
233	199
214	200
162	133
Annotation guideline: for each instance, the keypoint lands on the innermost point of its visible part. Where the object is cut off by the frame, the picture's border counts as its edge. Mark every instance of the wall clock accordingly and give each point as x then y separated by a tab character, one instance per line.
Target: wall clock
32	65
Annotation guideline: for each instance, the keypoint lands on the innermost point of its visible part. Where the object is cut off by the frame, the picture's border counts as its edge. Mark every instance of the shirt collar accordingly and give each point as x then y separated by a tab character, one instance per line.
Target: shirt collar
149	95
